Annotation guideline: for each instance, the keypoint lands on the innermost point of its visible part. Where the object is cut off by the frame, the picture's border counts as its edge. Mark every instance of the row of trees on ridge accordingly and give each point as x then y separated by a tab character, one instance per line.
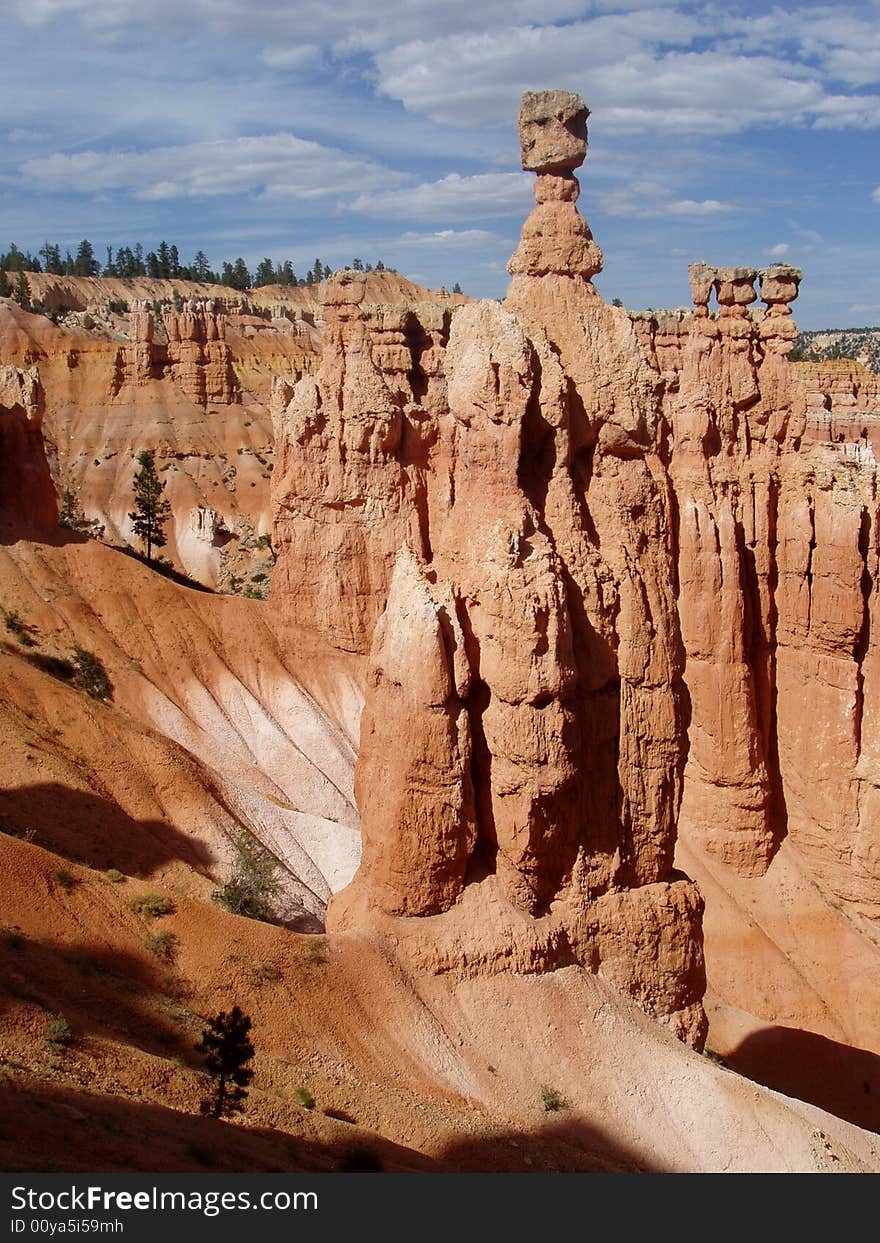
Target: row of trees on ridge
164	263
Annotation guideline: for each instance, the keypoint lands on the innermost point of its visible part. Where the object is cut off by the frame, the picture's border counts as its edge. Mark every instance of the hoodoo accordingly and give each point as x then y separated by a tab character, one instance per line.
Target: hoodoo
501	539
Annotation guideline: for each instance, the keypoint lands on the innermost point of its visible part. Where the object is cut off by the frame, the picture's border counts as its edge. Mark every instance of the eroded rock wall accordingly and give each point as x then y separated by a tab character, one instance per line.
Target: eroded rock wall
493	523
28	503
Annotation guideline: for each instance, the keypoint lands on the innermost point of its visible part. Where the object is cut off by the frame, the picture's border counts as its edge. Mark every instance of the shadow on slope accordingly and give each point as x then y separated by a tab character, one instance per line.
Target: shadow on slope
95	831
48	1127
59	1128
838	1078
100	992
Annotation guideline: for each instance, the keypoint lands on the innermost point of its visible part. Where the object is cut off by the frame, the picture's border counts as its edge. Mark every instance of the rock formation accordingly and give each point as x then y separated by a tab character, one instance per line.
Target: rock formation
352	445
27	495
194	355
522	743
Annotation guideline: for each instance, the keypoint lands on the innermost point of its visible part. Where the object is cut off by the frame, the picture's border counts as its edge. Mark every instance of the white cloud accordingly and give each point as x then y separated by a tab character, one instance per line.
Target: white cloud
777	251
300	56
453	198
848	112
272	164
20	135
347	25
446	239
646	200
876	195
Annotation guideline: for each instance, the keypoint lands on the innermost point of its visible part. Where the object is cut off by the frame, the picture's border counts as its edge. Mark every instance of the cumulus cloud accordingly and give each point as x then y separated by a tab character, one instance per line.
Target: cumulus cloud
452	198
346	25
270	164
446	239
645	200
778	251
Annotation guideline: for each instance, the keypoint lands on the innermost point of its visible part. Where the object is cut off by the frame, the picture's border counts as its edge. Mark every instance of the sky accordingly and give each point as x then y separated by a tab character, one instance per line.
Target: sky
744	135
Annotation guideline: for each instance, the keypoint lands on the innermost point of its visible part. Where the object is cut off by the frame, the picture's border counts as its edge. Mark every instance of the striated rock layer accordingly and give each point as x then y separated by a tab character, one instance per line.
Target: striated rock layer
493	522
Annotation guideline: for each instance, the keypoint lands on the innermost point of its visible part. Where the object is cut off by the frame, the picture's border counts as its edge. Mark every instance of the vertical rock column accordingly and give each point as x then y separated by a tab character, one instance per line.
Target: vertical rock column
522	746
726	507
344	499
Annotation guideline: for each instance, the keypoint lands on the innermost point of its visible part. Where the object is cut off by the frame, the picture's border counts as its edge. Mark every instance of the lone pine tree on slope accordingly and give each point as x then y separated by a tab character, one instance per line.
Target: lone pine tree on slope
227	1048
151	508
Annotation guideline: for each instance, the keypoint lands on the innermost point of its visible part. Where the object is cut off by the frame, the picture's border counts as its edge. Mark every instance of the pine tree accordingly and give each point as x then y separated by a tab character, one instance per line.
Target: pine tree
265	274
52	258
22	293
85	263
241	277
151	508
200	266
456	288
163	261
227	1049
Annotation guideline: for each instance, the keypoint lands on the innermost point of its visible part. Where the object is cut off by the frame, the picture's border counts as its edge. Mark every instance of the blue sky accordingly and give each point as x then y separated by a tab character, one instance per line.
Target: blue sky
302	128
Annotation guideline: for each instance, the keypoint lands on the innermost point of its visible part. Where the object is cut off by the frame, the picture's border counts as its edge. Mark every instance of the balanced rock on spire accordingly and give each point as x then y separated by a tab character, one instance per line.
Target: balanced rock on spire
553	141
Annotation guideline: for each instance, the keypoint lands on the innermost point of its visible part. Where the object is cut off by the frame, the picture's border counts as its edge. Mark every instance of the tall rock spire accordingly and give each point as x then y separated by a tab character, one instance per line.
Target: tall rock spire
553	141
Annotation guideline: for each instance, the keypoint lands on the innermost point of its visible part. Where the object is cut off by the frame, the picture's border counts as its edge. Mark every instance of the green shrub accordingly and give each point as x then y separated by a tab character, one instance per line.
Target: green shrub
114	876
163	944
265	971
89	675
303	1097
254	882
64	878
551	1099
152	904
57	1030
21	630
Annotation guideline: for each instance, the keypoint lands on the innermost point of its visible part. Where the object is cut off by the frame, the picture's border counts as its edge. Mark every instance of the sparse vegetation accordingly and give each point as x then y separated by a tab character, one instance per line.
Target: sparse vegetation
57	1030
227	1049
152	904
829	344
114	876
303	1097
254	883
551	1100
163	944
64	878
21	630
89	675
265	972
317	952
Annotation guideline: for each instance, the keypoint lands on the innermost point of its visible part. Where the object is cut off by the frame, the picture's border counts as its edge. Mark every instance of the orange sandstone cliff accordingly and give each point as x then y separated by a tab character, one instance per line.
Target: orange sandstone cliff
604	584
497	531
614	584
